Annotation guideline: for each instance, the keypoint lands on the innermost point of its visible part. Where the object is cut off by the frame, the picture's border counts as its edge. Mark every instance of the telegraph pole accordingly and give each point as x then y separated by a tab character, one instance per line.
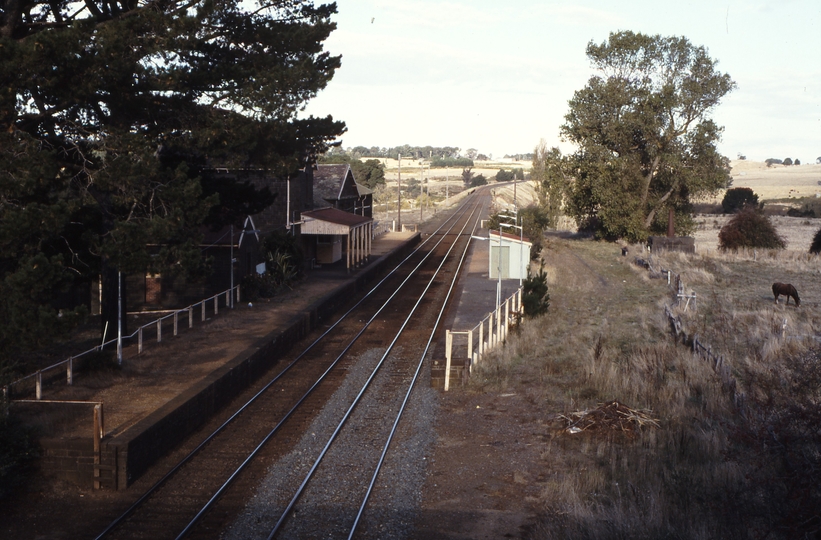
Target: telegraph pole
399	192
421	189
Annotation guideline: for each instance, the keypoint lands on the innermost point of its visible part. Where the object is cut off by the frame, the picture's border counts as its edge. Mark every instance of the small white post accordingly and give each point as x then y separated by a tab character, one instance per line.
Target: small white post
470	345
489	331
507	317
190	317
175	322
38	385
498	324
140	340
70	371
159	330
481	337
216	305
448	347
203	311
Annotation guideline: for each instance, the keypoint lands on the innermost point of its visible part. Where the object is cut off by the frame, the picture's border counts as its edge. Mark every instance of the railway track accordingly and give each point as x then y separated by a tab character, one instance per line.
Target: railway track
387	334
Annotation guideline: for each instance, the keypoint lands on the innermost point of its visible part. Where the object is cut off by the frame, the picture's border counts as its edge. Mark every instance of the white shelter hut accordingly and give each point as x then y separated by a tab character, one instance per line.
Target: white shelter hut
515	255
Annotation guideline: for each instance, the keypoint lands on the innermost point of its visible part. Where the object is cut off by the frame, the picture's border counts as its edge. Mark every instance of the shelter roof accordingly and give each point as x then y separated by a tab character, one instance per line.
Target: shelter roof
338	217
509	236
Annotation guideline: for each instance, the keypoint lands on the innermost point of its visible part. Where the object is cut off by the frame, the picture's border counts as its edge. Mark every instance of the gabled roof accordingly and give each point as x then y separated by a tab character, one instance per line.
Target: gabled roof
338	217
363	190
333	182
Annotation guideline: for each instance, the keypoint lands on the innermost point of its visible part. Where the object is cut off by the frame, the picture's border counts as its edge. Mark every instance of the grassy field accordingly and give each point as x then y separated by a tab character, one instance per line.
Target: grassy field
709	469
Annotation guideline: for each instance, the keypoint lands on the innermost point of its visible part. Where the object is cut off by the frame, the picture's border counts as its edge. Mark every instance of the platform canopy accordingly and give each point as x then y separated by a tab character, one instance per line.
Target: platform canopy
358	231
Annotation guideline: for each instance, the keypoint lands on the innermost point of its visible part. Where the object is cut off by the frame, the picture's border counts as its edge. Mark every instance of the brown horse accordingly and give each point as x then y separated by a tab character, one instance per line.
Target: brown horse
787	290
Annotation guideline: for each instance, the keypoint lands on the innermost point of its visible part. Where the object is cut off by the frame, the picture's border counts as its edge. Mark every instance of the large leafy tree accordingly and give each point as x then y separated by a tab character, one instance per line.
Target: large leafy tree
645	139
111	113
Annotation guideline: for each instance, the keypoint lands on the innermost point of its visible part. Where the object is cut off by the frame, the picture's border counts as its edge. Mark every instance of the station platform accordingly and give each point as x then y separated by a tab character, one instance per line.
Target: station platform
164	393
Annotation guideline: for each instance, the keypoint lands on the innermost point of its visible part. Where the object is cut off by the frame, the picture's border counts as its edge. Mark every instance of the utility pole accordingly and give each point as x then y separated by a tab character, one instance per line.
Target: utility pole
399	192
447	184
119	318
232	266
421	190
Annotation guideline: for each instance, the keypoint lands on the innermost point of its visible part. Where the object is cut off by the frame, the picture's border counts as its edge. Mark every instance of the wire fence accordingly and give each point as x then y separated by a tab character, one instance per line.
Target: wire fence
719	364
144	334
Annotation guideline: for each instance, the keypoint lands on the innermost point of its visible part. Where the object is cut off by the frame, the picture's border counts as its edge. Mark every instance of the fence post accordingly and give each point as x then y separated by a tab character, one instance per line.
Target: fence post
97	425
498	325
448	346
507	316
175	322
140	340
159	330
489	330
470	347
38	385
237	299
481	337
70	371
216	305
228	298
190	317
203	311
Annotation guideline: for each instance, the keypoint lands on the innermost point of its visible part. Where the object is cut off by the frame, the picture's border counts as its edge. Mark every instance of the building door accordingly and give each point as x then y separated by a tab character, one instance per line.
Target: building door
494	262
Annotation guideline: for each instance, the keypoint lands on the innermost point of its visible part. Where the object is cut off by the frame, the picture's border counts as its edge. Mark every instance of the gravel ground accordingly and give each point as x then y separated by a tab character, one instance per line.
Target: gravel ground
327	510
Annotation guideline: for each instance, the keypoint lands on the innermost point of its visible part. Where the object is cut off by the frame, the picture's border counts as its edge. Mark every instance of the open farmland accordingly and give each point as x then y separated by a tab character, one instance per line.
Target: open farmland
686	459
777	182
691	457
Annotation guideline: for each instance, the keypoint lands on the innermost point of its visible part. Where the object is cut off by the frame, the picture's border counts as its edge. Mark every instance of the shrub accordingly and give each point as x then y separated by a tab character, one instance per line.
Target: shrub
787	161
749	229
504	176
283	258
478	180
535	299
17	452
815	247
737	198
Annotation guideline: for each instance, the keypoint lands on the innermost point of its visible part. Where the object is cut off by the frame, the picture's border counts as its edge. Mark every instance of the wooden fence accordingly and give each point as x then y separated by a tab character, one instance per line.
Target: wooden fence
704	351
497	323
37	378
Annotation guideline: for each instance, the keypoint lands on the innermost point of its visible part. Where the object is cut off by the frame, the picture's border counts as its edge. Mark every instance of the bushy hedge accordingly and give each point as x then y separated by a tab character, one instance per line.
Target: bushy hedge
750	229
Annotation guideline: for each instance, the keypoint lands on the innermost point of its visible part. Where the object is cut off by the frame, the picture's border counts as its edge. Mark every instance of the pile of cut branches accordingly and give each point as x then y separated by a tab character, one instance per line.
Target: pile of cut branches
612	416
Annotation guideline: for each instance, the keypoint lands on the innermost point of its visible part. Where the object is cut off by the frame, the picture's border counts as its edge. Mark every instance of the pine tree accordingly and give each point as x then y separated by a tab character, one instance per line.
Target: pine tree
110	111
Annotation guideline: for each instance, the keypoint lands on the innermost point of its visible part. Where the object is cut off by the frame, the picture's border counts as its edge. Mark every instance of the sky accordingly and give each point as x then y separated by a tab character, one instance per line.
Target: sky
497	76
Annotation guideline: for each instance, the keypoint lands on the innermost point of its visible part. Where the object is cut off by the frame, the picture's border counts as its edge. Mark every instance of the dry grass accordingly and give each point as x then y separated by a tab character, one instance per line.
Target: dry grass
707	470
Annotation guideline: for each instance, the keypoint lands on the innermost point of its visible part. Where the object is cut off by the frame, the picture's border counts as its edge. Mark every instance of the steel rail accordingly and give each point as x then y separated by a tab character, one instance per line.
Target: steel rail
296	406
362	391
116	522
410	387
